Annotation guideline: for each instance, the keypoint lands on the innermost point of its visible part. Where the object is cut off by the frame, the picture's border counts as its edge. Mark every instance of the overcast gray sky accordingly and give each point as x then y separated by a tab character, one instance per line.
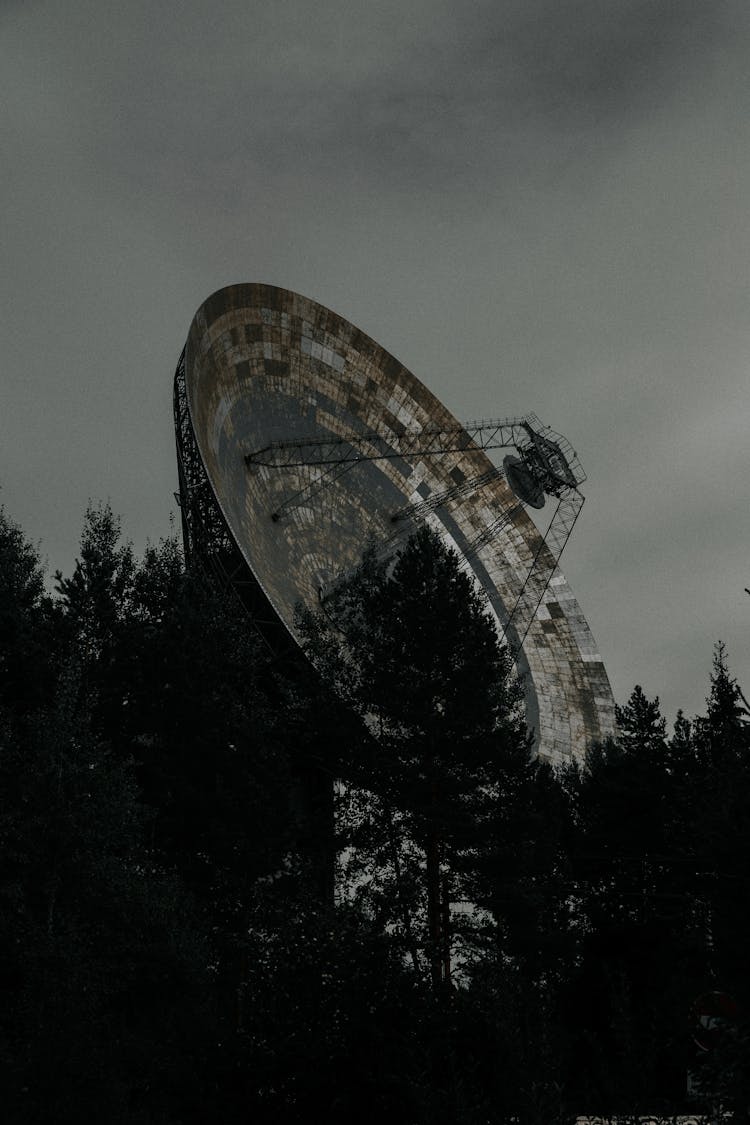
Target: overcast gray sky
534	204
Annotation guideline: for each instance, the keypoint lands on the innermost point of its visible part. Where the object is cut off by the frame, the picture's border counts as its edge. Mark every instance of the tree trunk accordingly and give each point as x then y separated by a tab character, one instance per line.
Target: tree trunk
434	910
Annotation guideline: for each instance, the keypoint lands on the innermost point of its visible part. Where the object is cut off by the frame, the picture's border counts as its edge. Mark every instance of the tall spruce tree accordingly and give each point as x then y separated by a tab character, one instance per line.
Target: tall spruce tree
718	841
104	968
409	646
28	638
629	1004
724	731
171	674
641	727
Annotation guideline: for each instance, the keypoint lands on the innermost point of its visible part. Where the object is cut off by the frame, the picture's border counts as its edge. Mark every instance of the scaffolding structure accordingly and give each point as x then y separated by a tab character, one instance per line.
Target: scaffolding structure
548	459
208	542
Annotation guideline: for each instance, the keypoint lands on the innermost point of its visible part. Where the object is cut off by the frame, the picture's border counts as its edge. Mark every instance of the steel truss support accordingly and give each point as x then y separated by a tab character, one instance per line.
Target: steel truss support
432	441
315	486
207	540
542	568
390	545
437	499
203	530
491	531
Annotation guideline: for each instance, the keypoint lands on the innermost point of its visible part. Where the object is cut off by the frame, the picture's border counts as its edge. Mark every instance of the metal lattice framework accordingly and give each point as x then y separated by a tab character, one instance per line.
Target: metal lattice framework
491	531
437	499
542	570
431	441
322	478
207	540
540	573
547	455
204	531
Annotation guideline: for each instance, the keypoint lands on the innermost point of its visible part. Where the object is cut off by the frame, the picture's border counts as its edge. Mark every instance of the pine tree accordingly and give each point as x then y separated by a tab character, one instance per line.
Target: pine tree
97	597
724	731
625	864
27	625
171	675
641	728
173	680
104	968
717	796
681	744
411	649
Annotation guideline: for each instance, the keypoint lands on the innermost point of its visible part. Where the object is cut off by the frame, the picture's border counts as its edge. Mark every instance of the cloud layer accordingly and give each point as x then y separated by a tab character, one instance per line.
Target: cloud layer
535	205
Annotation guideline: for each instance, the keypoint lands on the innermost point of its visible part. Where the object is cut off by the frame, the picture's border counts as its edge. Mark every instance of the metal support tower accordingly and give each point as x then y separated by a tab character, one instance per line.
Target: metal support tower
207	539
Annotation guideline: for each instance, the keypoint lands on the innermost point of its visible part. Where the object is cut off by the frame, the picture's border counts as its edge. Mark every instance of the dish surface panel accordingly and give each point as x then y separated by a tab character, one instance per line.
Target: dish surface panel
264	364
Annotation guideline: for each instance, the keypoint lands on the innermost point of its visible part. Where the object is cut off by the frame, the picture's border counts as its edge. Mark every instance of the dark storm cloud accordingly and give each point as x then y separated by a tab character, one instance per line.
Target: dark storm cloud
482	92
427	95
502	76
591	59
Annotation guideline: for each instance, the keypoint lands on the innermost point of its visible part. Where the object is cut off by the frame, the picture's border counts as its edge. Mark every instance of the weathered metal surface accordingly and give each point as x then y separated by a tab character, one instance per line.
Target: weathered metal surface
265	365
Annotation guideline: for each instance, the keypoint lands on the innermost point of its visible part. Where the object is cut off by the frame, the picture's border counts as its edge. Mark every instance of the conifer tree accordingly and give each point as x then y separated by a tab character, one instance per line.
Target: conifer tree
623	860
27	624
681	745
410	648
641	728
717	797
104	971
170	673
724	731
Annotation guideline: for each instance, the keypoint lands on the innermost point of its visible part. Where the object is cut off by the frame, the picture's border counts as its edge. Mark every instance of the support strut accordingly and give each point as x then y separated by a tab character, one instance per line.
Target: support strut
544	565
436	499
432	441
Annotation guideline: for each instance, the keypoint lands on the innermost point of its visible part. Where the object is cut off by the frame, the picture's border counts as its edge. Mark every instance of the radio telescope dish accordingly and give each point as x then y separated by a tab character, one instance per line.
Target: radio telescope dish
300	440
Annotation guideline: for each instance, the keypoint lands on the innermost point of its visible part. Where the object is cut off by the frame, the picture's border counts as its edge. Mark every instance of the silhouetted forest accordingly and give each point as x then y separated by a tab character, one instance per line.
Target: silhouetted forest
239	887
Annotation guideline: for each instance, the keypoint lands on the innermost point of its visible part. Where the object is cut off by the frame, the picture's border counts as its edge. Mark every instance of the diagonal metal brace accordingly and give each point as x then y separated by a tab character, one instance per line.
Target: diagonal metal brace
544	564
436	499
432	441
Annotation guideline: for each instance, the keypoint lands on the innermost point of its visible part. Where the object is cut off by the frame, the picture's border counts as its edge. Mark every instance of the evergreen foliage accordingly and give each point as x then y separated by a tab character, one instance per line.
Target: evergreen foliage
410	648
170	803
27	625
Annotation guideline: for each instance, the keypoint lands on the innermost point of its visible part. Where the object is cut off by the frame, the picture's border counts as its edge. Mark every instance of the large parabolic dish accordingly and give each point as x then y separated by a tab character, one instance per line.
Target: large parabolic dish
269	382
